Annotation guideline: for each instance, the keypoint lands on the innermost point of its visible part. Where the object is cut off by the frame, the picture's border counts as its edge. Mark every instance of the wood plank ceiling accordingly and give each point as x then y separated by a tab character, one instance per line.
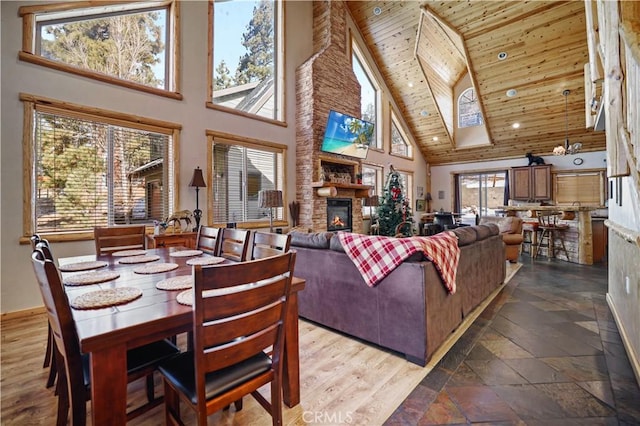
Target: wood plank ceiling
546	48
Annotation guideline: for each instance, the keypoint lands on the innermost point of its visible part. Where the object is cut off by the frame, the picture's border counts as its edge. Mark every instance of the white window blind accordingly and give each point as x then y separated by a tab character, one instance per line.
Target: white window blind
88	173
239	173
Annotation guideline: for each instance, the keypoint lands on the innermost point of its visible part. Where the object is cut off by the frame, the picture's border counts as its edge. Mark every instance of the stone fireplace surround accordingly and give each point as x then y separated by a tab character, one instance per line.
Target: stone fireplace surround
325	82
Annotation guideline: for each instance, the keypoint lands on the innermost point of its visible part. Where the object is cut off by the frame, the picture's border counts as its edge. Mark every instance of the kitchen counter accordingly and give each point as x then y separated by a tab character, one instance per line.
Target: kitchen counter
583	223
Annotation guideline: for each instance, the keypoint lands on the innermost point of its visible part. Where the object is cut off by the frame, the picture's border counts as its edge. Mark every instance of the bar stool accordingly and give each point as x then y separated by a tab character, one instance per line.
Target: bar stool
552	231
530	232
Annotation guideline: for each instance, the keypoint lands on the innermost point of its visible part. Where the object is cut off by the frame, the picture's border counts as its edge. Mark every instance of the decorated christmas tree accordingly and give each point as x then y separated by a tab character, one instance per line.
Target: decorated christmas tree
394	211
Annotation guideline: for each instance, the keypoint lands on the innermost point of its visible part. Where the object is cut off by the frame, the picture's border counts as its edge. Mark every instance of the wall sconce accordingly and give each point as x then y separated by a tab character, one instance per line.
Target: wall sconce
197	181
268	199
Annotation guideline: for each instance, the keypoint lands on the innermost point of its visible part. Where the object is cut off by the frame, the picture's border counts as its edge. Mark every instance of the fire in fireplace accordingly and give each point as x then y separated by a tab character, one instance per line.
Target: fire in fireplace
339	214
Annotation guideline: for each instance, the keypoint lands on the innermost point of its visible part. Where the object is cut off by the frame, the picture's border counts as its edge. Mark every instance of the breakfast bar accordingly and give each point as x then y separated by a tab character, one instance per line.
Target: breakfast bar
580	228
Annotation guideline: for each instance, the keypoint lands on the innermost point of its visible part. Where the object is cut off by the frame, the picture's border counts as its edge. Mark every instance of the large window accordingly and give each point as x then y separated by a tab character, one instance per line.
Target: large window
368	92
129	43
399	142
240	170
406	179
247	57
371	175
480	193
89	170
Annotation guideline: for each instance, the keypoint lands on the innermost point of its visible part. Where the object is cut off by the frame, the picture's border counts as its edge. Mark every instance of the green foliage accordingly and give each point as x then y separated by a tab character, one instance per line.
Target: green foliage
258	63
394	208
222	76
125	46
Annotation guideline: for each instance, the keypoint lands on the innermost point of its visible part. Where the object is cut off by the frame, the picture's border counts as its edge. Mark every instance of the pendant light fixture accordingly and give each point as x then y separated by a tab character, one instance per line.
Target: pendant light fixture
568	148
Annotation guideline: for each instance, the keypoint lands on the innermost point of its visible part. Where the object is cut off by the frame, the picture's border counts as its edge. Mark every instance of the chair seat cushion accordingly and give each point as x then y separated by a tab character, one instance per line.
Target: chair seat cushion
180	371
138	358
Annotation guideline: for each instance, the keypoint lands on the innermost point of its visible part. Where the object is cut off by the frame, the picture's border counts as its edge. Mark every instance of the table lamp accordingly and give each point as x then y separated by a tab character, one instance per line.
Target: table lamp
428	198
197	181
268	199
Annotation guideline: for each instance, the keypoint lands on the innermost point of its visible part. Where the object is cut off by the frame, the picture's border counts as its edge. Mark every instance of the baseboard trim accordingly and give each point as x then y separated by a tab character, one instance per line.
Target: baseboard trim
634	359
23	313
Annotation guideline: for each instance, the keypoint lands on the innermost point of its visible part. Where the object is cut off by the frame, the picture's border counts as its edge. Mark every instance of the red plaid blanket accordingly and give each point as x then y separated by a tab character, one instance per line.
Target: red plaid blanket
376	256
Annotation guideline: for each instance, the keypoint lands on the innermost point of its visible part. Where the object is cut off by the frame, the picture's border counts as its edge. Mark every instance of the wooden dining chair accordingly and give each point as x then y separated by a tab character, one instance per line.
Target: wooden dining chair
234	244
267	244
113	238
235	321
49	357
208	239
73	386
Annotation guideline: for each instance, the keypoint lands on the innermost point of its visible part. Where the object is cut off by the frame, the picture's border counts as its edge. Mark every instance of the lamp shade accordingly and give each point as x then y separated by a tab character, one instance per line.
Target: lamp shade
428	197
269	198
197	180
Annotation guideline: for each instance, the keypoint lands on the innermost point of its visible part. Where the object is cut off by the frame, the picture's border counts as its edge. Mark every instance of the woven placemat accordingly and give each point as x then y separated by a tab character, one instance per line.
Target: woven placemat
139	259
205	260
156	268
93	277
185	298
185	253
123	253
83	266
176	283
105	298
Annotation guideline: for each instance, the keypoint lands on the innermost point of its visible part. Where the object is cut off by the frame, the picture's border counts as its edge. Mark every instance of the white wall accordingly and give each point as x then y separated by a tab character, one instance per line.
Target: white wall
442	176
18	287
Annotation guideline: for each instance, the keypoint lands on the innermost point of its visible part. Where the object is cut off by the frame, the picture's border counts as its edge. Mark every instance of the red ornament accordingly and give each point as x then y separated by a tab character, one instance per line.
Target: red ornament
395	193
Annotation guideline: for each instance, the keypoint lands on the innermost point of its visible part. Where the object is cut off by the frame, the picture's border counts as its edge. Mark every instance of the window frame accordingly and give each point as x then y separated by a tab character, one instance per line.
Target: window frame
409	185
377	187
358	53
280	218
280	65
478	113
32	103
28	53
394	121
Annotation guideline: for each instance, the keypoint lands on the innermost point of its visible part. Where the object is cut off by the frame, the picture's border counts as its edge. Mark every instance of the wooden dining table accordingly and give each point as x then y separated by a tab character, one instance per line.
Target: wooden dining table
107	333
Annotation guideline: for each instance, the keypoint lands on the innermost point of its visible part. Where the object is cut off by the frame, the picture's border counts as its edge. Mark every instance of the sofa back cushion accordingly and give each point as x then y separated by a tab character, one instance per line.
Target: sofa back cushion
319	240
485	231
466	235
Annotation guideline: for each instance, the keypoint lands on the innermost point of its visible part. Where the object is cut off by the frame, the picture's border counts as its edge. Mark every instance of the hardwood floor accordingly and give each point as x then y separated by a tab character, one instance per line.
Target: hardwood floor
343	380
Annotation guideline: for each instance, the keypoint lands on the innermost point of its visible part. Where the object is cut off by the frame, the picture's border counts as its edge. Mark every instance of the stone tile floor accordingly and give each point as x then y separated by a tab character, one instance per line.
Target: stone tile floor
546	351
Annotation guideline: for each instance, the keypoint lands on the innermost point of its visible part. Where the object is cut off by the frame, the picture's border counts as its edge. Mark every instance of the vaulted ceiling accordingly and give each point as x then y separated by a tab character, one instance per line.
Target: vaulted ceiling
546	47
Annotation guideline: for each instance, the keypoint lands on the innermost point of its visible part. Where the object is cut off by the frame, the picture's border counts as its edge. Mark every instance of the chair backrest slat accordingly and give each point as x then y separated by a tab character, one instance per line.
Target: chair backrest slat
60	319
234	244
239	311
208	240
110	239
266	244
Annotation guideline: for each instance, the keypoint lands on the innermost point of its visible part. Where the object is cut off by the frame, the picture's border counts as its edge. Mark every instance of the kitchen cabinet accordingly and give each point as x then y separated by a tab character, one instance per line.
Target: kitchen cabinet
531	183
600	240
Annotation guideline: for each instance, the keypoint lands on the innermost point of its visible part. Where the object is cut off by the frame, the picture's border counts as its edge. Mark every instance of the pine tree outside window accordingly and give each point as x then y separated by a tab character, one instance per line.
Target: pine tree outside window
247	48
240	171
88	171
129	43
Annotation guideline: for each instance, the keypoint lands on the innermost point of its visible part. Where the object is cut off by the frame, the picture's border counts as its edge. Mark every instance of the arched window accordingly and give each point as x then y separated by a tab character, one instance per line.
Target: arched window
469	114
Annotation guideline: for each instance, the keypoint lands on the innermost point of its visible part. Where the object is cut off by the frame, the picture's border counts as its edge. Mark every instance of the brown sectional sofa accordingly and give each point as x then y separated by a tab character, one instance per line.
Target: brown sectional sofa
410	310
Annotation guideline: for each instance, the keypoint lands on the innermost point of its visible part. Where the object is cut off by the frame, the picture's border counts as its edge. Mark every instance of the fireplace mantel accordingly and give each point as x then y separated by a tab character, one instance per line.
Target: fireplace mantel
361	191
